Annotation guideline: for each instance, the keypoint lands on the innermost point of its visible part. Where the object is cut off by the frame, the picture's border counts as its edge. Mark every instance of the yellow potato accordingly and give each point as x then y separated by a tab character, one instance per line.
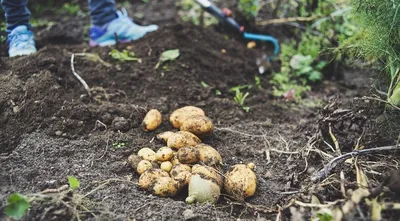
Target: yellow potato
188	155
208	155
164	154
143	166
165	187
164	136
198	125
179	115
152	120
148	178
182	139
175	161
181	173
240	182
147	154
208	173
134	160
166	166
202	190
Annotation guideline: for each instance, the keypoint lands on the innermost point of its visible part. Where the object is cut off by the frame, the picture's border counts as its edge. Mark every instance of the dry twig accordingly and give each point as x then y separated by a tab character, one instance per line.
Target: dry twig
83	82
287	20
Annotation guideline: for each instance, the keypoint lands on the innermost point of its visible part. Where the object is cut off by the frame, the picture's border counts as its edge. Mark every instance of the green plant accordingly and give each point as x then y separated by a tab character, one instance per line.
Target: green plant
123	56
249	8
258	82
119	144
73	183
240	98
190	11
70	8
17	205
169	55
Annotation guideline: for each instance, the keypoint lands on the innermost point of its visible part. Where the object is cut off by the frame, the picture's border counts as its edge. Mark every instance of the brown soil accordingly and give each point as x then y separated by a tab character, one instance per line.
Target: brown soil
51	129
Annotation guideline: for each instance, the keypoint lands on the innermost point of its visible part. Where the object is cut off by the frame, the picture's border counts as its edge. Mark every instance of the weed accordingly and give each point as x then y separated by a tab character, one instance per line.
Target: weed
119	144
73	183
168	55
17	205
217	92
249	8
70	8
240	98
258	82
204	84
123	56
190	11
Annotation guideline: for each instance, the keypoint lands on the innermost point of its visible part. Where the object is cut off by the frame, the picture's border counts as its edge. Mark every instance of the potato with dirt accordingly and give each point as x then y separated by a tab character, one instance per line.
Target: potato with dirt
201	126
152	120
147	154
241	181
178	117
166	187
182	139
144	165
149	177
134	160
188	155
208	155
164	136
164	154
166	166
181	173
204	185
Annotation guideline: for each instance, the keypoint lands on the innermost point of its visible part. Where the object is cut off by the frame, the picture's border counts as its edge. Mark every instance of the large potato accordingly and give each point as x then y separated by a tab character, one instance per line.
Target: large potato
144	165
149	177
179	115
182	139
152	120
198	125
164	154
208	155
165	187
188	155
240	182
208	173
147	154
164	136
202	190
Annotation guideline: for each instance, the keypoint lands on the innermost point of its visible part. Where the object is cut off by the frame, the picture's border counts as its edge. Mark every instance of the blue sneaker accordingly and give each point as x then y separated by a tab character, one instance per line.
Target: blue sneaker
21	42
122	27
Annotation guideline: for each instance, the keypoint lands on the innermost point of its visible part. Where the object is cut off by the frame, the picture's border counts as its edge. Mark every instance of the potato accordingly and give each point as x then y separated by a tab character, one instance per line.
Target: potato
179	115
147	154
208	155
152	120
175	161
202	190
134	160
240	182
164	154
208	173
166	166
188	155
143	166
181	173
149	177
164	136
198	125
165	186
181	139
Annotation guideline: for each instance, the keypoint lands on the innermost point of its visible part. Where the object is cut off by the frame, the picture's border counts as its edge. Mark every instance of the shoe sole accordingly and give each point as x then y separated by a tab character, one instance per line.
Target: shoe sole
93	43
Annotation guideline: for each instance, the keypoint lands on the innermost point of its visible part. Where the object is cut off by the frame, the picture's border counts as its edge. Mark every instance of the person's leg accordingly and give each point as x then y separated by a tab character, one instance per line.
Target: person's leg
102	11
20	38
107	24
16	13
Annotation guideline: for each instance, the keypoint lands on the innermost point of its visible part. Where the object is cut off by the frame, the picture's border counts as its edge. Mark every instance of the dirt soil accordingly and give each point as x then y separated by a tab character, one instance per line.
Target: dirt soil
51	129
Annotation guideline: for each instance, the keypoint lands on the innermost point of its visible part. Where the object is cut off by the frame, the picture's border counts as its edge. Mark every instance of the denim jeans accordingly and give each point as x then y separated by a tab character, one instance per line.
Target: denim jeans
17	12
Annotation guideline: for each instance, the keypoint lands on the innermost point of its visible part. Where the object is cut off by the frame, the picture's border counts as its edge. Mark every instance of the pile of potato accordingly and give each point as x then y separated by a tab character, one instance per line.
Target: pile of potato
186	161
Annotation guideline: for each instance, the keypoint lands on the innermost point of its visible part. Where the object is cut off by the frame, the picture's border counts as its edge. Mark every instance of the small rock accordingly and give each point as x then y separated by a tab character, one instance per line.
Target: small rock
189	214
120	123
59	133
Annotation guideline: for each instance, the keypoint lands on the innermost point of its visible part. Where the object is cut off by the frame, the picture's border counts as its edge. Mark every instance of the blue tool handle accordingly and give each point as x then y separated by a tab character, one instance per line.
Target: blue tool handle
268	38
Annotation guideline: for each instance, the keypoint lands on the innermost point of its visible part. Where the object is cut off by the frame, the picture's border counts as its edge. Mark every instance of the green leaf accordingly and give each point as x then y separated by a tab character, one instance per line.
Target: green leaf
315	76
123	56
17	205
217	92
204	84
169	55
73	182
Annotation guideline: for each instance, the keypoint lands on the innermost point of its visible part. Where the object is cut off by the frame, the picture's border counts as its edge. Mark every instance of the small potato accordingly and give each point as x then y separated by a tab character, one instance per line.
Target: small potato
208	155
164	136
143	166
188	155
182	139
165	187
198	125
240	182
175	161
152	120
149	177
179	115
166	166
164	154
202	190
181	173
147	154
208	173
134	160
